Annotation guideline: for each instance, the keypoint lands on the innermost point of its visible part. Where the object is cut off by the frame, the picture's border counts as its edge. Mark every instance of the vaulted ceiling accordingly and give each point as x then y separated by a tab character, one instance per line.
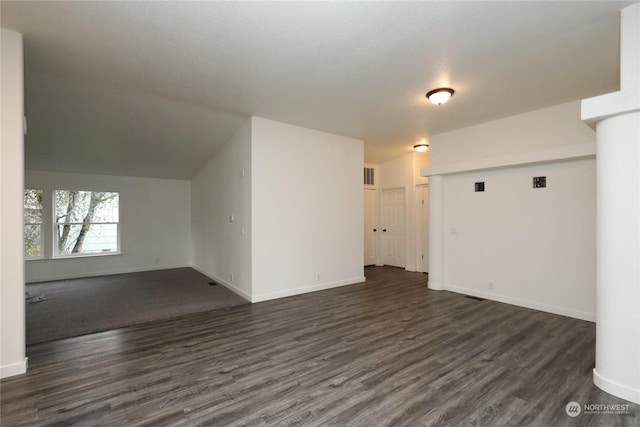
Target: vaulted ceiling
153	88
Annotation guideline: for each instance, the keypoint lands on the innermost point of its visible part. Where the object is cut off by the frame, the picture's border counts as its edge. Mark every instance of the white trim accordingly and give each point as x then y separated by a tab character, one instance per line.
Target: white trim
616	389
224	283
104	273
563	311
14	369
571	152
420	231
306	289
612	104
398	187
435	286
79	255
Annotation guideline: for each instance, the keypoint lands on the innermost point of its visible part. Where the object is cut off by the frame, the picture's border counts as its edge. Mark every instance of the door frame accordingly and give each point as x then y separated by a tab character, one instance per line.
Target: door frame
422	264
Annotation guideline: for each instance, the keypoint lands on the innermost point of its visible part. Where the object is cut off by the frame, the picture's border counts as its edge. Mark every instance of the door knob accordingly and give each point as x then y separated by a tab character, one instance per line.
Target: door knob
384	230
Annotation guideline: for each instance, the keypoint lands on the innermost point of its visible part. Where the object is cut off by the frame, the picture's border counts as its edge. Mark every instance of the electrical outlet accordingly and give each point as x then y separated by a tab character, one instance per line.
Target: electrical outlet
231	277
490	285
156	260
317	277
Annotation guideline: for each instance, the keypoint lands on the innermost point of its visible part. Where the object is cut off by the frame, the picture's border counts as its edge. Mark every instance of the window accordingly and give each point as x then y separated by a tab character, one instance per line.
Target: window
33	224
85	223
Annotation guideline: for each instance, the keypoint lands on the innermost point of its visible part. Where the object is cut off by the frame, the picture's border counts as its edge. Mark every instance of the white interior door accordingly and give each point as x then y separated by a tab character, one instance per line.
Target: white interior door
393	227
423	228
370	226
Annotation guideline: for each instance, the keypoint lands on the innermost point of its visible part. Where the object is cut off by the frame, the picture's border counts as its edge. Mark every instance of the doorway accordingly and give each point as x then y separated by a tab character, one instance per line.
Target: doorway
370	226
393	227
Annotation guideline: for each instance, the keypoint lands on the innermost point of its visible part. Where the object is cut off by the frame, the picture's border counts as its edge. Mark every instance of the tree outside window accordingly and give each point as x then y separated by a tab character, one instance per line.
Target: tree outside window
33	224
86	222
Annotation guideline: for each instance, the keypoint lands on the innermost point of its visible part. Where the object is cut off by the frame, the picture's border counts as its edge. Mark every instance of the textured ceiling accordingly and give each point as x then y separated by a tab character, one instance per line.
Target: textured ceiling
153	88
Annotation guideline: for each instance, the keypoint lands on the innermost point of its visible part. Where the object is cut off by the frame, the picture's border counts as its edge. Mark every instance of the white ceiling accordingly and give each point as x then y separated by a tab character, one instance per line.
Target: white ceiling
152	88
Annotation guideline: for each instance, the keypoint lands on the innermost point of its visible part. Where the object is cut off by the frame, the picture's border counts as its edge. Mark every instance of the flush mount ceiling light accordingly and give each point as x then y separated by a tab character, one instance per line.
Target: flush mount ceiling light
421	148
440	96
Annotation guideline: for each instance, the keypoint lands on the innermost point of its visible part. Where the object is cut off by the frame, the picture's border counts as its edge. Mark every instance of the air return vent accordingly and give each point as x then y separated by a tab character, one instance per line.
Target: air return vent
539	182
368	176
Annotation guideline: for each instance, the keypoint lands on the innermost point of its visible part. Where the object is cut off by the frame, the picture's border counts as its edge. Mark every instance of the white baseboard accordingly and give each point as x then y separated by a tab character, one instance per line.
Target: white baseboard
224	283
103	273
563	311
415	270
615	388
306	289
436	286
14	369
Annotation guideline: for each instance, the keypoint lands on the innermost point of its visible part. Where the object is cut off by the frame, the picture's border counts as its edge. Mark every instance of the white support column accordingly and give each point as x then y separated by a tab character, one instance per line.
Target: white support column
616	118
12	321
436	232
618	257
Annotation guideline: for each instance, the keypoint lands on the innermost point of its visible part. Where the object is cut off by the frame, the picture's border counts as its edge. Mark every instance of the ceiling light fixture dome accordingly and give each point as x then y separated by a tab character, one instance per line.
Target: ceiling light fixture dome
440	96
421	148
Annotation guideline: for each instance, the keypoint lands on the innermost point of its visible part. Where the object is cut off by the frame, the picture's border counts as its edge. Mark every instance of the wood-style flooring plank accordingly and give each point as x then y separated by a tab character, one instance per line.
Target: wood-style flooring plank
388	352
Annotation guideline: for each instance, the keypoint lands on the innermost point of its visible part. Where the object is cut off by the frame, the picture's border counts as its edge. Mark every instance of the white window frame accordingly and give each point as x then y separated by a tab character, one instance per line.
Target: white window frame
55	255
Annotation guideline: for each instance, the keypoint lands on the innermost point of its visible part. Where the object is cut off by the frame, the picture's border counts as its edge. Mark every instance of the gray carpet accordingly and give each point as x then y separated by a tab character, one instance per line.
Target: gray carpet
68	308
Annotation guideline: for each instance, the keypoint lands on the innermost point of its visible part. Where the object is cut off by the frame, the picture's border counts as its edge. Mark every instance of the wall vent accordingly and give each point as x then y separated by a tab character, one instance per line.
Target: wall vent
539	182
369	176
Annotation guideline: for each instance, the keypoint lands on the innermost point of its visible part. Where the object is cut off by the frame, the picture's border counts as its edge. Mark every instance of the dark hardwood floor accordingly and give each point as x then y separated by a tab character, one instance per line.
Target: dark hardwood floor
386	352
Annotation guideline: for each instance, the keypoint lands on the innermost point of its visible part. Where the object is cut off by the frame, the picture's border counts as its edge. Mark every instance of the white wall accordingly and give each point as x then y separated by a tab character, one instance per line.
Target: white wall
307	210
219	190
549	128
154	224
537	246
12	324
